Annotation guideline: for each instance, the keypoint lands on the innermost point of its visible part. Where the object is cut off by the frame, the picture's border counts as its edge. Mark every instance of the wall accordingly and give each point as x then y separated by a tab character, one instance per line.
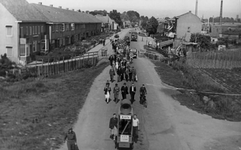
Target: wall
185	21
7	19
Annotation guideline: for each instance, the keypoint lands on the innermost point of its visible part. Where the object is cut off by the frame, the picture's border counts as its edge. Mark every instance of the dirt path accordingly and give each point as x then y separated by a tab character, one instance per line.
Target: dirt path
165	124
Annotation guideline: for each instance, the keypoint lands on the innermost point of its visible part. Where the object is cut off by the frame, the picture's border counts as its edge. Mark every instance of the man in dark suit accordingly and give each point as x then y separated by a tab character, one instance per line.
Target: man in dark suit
124	91
71	139
132	92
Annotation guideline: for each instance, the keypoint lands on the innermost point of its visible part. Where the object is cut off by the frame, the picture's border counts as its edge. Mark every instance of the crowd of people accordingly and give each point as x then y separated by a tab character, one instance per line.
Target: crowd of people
122	71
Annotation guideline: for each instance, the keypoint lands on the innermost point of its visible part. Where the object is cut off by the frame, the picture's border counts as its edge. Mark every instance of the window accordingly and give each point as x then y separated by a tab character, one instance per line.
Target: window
22	49
72	26
63	27
30	30
42	29
67	27
9	30
27	30
21	32
34	46
53	28
38	29
57	27
9	51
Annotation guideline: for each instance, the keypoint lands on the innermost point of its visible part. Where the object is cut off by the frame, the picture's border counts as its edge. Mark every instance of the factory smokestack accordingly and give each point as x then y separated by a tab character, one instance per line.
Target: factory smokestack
221	12
196	8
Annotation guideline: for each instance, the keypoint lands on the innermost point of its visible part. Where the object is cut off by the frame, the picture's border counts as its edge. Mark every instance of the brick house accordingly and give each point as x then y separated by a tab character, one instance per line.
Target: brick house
66	26
186	24
23	30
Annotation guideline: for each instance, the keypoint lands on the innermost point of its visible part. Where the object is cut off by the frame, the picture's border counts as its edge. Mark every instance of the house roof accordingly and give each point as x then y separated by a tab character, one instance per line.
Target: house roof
186	14
59	15
104	19
22	11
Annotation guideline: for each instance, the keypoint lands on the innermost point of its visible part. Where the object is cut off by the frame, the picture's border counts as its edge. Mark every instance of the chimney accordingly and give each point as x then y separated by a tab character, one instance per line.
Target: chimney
221	12
40	3
196	9
60	6
73	9
67	8
51	5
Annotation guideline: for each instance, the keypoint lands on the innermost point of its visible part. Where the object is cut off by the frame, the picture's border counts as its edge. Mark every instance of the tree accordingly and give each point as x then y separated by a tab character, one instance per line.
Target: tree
152	25
167	18
203	41
133	16
100	12
124	16
116	16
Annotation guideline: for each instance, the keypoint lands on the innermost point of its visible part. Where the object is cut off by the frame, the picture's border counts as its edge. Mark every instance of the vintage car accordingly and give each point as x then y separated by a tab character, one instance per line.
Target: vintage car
125	128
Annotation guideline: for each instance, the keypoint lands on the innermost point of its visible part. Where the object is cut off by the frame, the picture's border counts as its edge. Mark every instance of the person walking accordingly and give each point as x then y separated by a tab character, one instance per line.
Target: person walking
143	93
111	59
130	74
127	74
124	91
133	73
132	92
103	42
119	74
116	92
107	91
122	73
135	124
113	128
112	74
71	139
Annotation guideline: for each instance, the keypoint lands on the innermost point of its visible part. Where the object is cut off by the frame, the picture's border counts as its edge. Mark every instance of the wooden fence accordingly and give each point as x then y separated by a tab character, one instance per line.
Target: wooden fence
222	60
57	67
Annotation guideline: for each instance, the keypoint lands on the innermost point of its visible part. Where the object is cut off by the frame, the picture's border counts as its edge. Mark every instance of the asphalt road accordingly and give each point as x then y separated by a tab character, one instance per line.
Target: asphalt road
156	132
164	124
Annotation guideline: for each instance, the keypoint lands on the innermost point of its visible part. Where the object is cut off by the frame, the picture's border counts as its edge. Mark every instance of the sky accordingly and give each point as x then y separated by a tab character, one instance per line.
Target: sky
156	8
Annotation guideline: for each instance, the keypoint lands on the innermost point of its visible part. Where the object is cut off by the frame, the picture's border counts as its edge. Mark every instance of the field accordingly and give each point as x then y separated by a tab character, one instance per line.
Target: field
222	59
35	113
217	106
231	79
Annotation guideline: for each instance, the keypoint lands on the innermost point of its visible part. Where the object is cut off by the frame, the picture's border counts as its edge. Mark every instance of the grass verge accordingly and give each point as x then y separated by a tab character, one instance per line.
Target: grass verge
170	76
34	114
181	76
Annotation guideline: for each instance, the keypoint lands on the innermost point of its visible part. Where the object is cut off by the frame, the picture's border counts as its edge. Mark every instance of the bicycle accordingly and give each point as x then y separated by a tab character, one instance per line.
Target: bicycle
143	100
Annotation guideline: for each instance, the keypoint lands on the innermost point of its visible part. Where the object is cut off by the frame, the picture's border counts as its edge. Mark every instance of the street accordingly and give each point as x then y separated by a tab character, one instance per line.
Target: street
165	124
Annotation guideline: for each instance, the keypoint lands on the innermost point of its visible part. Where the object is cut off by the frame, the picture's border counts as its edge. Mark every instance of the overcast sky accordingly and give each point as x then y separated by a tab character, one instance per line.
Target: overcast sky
156	8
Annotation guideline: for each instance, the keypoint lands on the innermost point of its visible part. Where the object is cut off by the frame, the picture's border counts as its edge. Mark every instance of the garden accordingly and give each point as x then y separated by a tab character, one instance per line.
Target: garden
212	90
67	52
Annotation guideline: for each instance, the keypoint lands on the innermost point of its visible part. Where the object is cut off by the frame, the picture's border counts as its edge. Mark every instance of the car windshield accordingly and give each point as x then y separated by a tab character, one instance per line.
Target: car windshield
125	126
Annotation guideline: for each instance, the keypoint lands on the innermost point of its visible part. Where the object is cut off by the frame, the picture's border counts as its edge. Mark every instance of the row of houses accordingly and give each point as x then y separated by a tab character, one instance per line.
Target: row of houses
108	24
27	28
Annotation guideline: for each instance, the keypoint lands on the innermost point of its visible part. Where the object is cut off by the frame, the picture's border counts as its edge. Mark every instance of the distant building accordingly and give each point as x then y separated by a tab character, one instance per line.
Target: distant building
187	24
108	24
217	30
